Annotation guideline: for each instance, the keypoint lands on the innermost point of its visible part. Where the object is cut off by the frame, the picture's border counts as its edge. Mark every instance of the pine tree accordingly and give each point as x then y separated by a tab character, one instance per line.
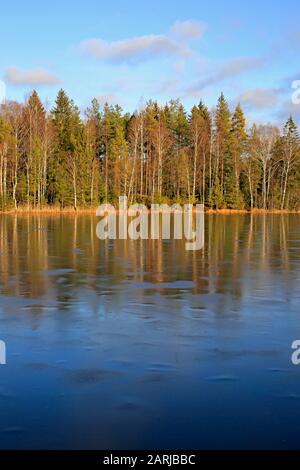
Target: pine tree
290	155
35	151
119	161
251	170
106	136
65	174
6	140
94	182
217	197
238	141
223	127
200	139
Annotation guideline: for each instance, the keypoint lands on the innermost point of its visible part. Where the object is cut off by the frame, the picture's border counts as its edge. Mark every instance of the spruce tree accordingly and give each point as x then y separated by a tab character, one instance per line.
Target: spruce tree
223	164
65	171
238	141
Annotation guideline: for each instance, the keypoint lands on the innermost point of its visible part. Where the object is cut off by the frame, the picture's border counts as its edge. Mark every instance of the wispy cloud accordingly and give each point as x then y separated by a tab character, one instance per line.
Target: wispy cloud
287	82
142	48
188	29
134	50
231	68
260	98
31	77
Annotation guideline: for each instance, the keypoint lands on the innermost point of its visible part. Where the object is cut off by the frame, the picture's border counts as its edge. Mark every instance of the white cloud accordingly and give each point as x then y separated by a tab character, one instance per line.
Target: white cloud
240	65
188	29
32	77
230	69
259	98
133	50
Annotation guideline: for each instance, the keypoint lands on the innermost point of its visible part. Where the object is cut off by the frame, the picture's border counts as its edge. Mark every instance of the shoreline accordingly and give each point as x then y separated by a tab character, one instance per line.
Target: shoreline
92	211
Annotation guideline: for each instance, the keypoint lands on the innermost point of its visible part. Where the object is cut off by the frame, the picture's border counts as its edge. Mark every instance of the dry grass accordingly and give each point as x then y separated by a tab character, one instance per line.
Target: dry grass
23	210
253	211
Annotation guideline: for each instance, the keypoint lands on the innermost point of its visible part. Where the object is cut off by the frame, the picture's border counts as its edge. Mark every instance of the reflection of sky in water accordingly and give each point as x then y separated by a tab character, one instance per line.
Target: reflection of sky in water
123	344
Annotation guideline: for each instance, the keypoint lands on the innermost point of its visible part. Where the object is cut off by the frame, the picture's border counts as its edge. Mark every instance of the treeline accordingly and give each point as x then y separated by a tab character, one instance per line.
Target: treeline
158	154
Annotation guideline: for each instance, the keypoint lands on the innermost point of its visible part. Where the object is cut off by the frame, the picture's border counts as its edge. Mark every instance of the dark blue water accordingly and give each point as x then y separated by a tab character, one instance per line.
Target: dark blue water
127	345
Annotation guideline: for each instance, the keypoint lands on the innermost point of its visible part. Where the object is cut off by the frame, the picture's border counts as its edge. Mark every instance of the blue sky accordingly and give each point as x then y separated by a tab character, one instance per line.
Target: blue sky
123	51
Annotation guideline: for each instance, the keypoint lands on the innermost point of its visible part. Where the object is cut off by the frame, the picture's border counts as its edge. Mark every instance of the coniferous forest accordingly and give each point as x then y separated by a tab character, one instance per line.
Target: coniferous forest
64	158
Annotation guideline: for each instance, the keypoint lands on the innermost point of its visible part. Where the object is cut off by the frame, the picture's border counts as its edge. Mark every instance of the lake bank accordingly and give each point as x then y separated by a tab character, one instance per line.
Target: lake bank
92	210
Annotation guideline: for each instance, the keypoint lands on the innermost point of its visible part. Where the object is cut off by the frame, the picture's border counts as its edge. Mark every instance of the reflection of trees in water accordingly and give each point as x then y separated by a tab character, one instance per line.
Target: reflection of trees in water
57	256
